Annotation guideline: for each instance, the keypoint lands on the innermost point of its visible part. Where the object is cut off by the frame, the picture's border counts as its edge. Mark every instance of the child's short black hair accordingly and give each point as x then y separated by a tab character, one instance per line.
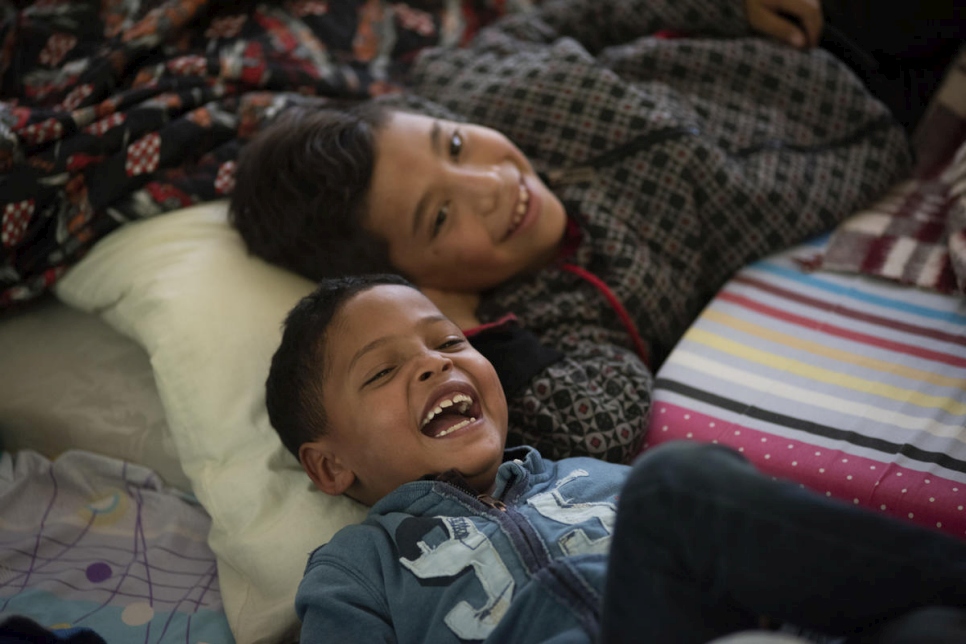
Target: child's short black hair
293	390
301	189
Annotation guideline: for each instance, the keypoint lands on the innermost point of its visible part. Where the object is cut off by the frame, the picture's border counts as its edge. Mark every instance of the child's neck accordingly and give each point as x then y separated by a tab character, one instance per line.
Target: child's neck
457	480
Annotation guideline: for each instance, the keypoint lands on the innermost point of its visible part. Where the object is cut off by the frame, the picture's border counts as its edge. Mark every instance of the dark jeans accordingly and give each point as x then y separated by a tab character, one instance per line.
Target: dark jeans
705	545
899	49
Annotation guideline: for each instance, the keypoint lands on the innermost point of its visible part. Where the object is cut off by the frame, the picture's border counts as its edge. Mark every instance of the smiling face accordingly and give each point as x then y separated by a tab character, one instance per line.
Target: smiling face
459	205
405	395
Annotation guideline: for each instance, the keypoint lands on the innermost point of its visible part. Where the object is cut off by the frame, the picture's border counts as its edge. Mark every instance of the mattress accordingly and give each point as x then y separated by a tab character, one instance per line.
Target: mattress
70	381
850	385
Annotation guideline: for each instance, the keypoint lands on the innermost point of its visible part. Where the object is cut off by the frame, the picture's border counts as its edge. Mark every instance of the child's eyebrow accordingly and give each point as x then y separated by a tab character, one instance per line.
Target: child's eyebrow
366	349
378	342
434	143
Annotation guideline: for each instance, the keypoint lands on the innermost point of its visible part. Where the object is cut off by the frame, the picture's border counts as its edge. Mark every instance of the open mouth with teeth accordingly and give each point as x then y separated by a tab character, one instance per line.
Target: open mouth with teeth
520	211
451	413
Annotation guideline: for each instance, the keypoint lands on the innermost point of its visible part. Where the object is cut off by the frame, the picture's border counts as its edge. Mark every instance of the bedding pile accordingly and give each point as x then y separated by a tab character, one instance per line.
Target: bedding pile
70	381
113	112
117	111
916	234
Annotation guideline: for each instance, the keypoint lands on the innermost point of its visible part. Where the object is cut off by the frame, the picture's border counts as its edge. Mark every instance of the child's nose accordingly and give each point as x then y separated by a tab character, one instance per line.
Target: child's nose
481	188
435	363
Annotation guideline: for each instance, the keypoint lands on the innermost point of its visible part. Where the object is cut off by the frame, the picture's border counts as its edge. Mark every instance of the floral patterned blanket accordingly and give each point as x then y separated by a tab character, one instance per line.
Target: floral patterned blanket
117	110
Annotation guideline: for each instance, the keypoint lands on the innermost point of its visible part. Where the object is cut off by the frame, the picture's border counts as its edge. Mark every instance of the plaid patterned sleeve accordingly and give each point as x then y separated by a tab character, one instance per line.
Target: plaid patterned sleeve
595	401
583	396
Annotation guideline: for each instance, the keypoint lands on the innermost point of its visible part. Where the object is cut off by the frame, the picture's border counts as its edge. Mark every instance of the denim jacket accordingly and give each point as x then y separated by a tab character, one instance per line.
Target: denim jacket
436	562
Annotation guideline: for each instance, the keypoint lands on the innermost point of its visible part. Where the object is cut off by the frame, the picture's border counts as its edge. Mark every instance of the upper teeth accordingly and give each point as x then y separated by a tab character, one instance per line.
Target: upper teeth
462	402
521	210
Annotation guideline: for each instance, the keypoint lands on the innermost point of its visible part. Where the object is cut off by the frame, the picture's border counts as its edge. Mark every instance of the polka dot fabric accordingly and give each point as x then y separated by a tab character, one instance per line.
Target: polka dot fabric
888	487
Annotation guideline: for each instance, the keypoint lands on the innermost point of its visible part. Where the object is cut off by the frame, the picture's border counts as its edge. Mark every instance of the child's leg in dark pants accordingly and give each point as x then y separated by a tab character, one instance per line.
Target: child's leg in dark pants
705	545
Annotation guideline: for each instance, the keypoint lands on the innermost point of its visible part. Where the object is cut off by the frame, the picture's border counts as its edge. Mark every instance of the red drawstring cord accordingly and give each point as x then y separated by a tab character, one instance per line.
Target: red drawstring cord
617	306
503	321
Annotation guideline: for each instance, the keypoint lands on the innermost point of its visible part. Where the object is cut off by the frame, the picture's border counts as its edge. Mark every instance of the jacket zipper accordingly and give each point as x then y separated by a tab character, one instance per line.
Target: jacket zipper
516	526
454	478
496	504
534	557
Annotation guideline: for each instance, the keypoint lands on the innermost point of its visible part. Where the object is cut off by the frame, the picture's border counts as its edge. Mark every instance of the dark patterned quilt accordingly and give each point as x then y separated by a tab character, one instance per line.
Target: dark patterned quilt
117	110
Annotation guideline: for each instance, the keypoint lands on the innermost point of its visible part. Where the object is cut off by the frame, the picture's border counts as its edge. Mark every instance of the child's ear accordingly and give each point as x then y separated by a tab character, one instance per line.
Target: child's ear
326	470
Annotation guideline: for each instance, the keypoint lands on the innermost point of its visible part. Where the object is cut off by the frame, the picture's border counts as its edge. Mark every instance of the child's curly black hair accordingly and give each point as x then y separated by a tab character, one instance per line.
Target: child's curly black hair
293	389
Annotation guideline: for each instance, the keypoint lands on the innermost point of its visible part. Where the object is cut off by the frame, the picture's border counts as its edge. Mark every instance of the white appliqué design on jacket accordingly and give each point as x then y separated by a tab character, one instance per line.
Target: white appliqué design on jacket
554	506
455	544
467	547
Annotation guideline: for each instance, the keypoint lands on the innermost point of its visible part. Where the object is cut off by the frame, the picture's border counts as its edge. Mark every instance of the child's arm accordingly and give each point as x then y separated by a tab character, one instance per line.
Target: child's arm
594	401
585	397
796	22
335	605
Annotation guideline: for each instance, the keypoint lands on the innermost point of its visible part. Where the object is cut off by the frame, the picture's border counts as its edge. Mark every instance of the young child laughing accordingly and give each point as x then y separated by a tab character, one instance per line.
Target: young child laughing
381	398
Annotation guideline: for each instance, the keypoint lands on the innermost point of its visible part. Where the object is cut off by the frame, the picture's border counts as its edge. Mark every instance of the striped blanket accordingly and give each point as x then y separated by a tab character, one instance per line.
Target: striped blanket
850	385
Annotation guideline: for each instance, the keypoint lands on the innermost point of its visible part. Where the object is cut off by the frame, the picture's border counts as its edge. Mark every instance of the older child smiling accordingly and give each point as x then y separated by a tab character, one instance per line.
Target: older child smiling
611	181
460	195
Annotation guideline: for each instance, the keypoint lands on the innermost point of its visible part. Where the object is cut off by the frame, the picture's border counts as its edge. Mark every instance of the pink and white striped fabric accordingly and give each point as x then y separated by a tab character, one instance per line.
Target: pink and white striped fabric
850	385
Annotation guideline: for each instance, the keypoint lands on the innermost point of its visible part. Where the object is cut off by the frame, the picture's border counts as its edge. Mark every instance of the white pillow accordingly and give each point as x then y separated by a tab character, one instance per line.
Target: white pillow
209	315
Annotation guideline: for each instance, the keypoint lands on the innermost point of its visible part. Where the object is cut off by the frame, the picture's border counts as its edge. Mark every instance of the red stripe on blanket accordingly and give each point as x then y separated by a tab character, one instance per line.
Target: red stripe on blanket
830	329
920	497
874	252
877	253
838	309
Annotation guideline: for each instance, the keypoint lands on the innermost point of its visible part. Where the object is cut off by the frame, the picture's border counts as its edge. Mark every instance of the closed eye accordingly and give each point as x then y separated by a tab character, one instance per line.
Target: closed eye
381	374
441	215
452	343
